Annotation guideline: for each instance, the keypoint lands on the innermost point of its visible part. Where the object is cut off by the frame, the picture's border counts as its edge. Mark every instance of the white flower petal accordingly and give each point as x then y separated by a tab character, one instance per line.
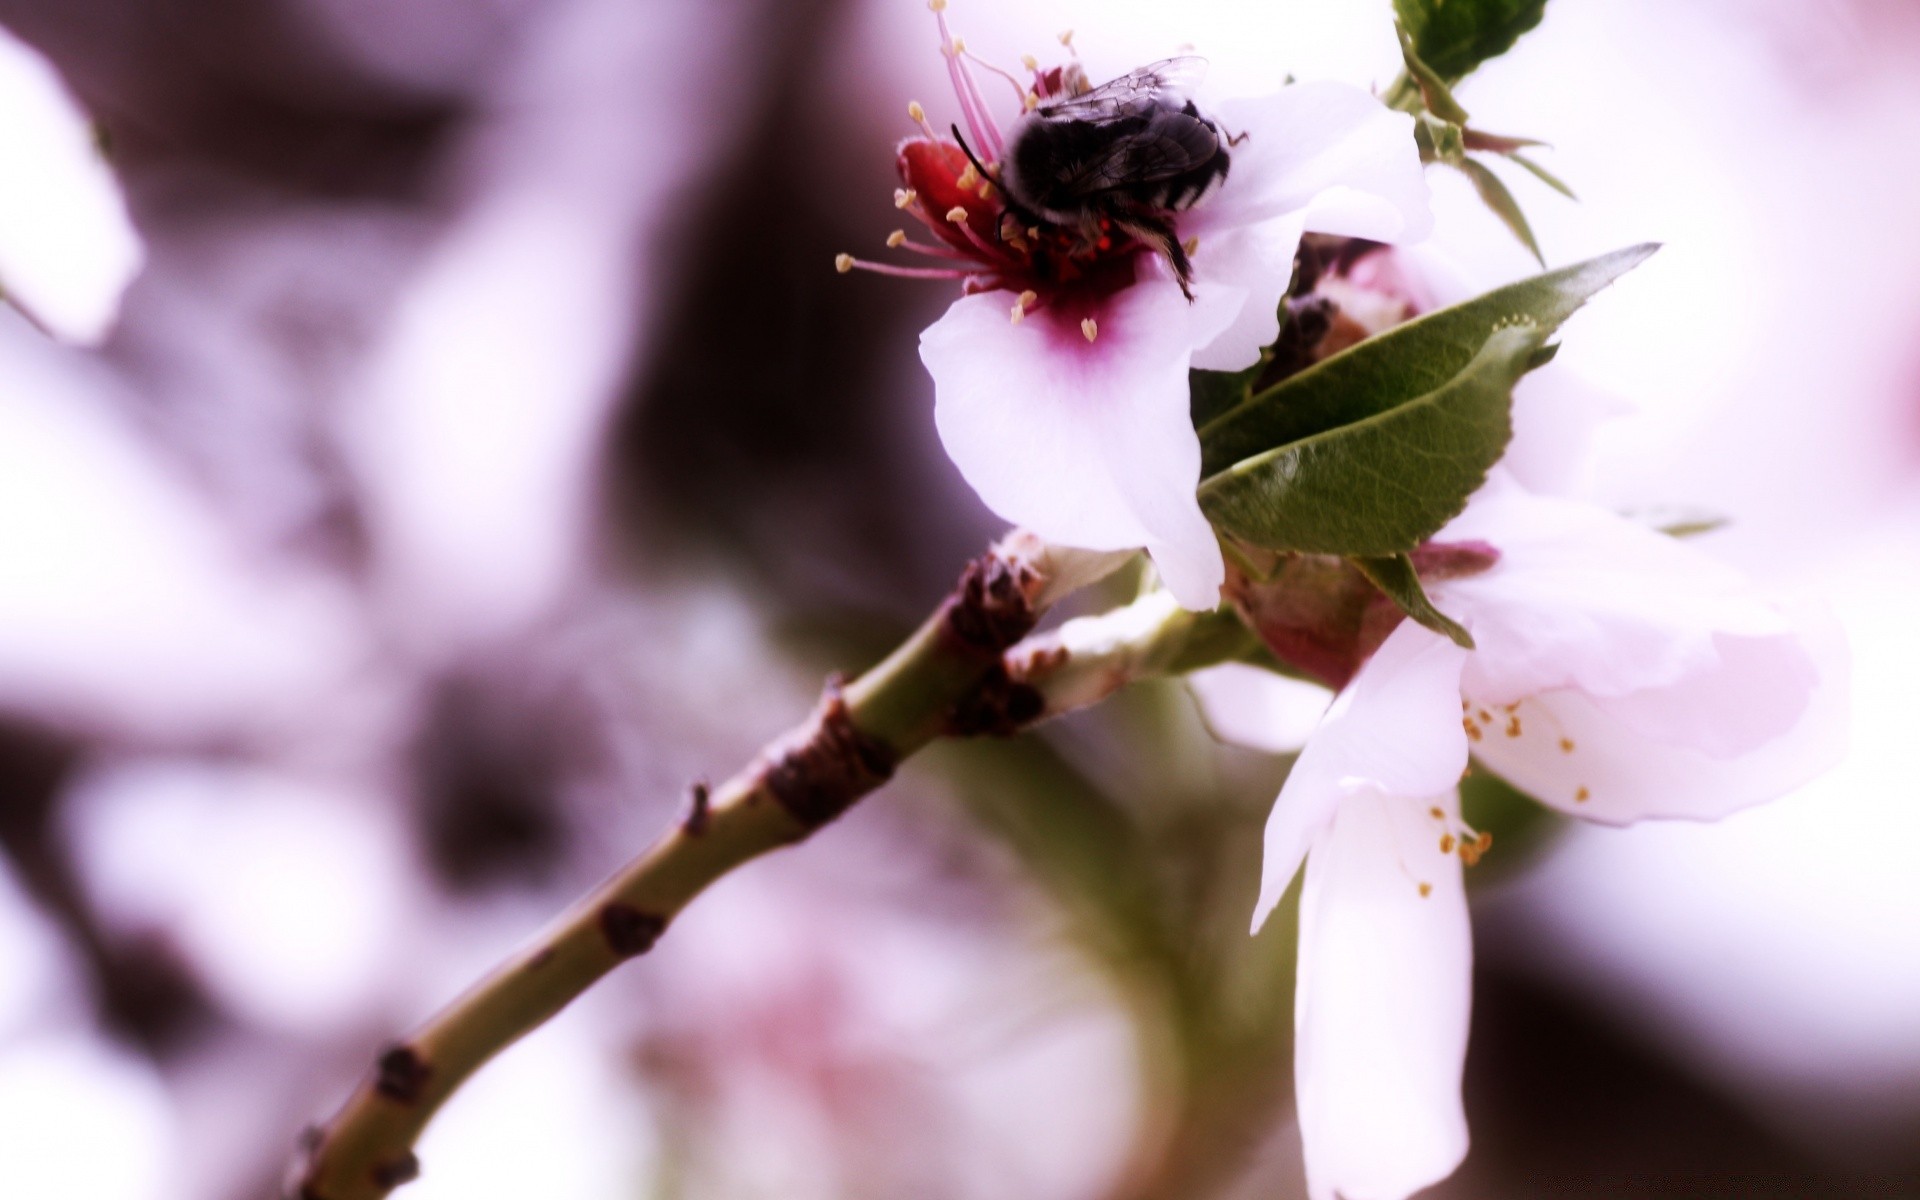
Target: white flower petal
1575	755
1327	149
67	250
1382	1002
1258	261
1251	707
1395	729
1089	443
1584	599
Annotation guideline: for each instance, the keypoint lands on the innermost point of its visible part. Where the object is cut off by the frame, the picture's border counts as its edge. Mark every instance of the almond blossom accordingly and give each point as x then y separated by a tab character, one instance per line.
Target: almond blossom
1060	375
1617	674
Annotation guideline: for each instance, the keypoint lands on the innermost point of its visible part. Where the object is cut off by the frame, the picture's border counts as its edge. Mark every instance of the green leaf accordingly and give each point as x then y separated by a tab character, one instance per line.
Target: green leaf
1439	141
1542	174
1433	90
1494	195
1382	485
1454	36
1217	393
1394	575
1405	362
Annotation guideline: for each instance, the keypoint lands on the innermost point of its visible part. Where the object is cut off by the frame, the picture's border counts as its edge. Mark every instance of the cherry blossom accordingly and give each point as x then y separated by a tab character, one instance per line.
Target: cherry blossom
1060	375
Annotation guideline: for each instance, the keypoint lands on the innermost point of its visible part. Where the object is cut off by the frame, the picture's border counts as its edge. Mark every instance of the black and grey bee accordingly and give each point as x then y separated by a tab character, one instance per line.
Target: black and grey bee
1133	151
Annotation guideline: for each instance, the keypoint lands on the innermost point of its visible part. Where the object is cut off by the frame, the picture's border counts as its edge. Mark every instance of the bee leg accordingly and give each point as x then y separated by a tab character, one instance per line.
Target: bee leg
1158	234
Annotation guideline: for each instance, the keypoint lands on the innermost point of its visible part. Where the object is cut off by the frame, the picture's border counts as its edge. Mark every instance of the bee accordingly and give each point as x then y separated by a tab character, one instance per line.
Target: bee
1132	152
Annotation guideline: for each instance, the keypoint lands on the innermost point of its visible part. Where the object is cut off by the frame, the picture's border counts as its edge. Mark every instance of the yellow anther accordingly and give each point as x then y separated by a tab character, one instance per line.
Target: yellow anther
1090	328
1033	231
937	5
1426	889
1472	727
957	215
896	239
1027	298
959	45
1018	313
1191	246
843	263
1437	813
1446	843
1513	726
1582	795
1029	62
1566	745
967	178
1066	37
985	190
1484	842
1470	854
915	113
902	197
1031	100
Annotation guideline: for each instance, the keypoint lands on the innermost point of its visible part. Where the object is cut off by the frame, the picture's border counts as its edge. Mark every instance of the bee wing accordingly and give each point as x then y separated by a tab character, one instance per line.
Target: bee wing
1132	94
1171	145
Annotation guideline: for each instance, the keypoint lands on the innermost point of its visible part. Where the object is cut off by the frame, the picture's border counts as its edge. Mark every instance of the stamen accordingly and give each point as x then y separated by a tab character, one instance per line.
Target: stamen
1566	745
1066	37
972	104
937	5
1090	328
957	215
931	251
1029	62
1191	246
1446	843
1030	100
1582	795
896	239
966	180
846	262
1018	88
903	197
918	116
1027	298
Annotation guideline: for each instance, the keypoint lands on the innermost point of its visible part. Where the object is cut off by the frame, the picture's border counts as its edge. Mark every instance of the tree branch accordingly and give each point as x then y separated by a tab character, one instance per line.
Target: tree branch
968	659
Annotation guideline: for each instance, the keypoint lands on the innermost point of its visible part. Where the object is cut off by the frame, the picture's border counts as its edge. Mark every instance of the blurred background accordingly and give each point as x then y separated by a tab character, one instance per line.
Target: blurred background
487	450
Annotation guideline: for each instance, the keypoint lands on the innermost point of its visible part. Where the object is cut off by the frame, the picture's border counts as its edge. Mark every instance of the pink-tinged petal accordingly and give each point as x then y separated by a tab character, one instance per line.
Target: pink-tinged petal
1574	754
1325	149
67	249
1395	729
1257	262
1089	443
1251	707
1555	415
1585	599
1382	1001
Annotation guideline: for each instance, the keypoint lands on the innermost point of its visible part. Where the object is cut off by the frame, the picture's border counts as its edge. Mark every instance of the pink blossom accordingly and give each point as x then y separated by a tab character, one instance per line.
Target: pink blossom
1061	375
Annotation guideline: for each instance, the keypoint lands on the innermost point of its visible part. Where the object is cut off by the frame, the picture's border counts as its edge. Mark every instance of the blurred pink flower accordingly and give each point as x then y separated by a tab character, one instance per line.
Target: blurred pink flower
1618	674
1061	376
67	250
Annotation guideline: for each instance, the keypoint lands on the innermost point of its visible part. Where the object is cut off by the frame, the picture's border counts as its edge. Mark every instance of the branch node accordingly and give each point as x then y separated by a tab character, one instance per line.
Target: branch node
396	1171
1001	706
401	1074
698	810
991	607
830	766
630	932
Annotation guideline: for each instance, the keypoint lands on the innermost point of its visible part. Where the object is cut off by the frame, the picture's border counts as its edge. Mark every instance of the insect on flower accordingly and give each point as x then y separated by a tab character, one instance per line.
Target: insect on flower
1125	155
1108	239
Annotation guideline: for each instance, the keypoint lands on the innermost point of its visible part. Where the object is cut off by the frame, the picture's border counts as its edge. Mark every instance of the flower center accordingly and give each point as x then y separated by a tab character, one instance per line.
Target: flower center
952	186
